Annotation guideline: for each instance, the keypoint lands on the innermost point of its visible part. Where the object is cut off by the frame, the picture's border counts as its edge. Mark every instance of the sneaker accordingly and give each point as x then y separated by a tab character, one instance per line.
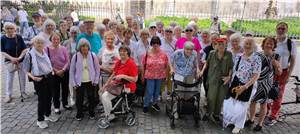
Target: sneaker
92	117
111	117
25	95
51	118
236	130
57	111
67	107
249	123
103	123
145	109
42	124
72	102
78	117
156	107
7	99
176	116
257	128
270	122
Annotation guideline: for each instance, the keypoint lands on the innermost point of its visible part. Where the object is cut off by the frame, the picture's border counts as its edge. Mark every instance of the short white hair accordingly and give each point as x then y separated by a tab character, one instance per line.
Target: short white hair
49	22
235	36
100	27
74	28
189	45
252	41
38	38
9	24
178	27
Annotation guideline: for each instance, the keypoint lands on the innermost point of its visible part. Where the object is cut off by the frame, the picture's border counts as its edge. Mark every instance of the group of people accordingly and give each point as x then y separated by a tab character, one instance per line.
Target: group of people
74	61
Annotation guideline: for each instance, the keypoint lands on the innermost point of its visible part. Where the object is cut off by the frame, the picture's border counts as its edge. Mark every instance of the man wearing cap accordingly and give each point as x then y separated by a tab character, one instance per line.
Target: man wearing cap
35	29
22	15
93	37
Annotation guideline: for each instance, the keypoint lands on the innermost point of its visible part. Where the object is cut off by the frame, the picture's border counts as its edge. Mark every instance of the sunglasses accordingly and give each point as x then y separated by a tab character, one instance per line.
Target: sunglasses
188	30
280	28
152	27
168	31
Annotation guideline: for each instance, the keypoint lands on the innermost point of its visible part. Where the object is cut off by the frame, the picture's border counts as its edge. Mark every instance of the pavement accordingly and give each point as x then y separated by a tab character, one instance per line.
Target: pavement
20	117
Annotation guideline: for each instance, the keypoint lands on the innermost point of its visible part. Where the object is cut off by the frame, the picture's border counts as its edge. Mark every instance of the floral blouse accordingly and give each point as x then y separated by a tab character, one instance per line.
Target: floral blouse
247	67
156	65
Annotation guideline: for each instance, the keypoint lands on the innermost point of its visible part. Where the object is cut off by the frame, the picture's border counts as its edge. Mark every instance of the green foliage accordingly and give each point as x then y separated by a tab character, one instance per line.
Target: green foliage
203	24
267	26
81	17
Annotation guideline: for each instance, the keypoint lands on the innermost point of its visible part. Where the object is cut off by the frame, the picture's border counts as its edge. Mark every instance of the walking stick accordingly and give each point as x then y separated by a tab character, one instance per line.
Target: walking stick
22	98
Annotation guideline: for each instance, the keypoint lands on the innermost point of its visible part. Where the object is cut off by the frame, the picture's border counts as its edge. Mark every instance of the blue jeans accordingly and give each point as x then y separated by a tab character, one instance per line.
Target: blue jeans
23	26
152	91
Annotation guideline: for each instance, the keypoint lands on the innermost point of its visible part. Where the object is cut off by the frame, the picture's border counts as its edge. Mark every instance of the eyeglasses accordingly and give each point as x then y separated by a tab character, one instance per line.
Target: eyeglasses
152	27
188	30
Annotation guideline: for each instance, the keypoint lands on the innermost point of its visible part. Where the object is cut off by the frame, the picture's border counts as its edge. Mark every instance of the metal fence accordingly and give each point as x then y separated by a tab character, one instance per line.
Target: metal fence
228	12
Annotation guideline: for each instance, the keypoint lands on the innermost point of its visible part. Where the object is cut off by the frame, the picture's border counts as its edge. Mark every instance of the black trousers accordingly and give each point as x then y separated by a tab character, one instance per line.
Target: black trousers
43	89
90	90
205	73
60	86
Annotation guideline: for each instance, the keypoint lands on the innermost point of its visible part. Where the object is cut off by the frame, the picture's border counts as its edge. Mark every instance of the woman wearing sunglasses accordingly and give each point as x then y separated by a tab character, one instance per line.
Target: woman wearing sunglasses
188	37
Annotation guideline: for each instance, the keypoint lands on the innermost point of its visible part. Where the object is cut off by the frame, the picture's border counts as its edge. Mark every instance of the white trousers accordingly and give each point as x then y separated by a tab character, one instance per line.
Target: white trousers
106	98
10	80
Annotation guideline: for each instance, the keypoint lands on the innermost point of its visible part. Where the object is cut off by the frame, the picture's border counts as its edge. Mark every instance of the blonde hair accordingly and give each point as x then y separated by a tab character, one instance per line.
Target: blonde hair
109	33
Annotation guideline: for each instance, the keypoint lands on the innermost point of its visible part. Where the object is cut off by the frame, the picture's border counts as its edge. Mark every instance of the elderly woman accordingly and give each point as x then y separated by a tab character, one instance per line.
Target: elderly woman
155	68
168	46
246	71
108	56
70	44
40	71
152	29
59	58
128	42
177	32
136	31
270	66
142	47
112	25
63	31
188	37
101	29
49	27
119	35
13	50
236	48
124	69
219	64
81	27
84	77
205	36
205	53
184	66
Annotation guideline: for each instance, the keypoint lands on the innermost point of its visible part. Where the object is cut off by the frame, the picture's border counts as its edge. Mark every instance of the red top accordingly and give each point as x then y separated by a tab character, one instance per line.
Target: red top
128	68
180	43
156	66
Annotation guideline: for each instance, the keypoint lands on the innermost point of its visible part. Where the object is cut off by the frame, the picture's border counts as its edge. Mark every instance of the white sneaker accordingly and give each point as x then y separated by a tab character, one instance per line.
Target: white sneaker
111	117
7	99
176	115
25	95
42	124
72	102
236	130
57	111
51	118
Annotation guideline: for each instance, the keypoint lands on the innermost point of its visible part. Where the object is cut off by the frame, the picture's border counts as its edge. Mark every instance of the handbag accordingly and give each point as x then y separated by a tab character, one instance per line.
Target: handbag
245	95
114	87
274	92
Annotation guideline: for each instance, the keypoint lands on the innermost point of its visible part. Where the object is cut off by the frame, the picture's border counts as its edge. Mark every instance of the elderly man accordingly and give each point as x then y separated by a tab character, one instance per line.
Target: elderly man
93	37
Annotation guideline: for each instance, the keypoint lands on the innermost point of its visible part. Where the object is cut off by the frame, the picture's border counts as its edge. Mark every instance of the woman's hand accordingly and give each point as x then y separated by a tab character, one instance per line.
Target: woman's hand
226	79
240	89
14	60
37	79
60	73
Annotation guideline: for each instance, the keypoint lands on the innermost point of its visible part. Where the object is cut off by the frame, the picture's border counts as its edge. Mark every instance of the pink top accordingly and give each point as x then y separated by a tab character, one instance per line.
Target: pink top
180	43
59	57
157	65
